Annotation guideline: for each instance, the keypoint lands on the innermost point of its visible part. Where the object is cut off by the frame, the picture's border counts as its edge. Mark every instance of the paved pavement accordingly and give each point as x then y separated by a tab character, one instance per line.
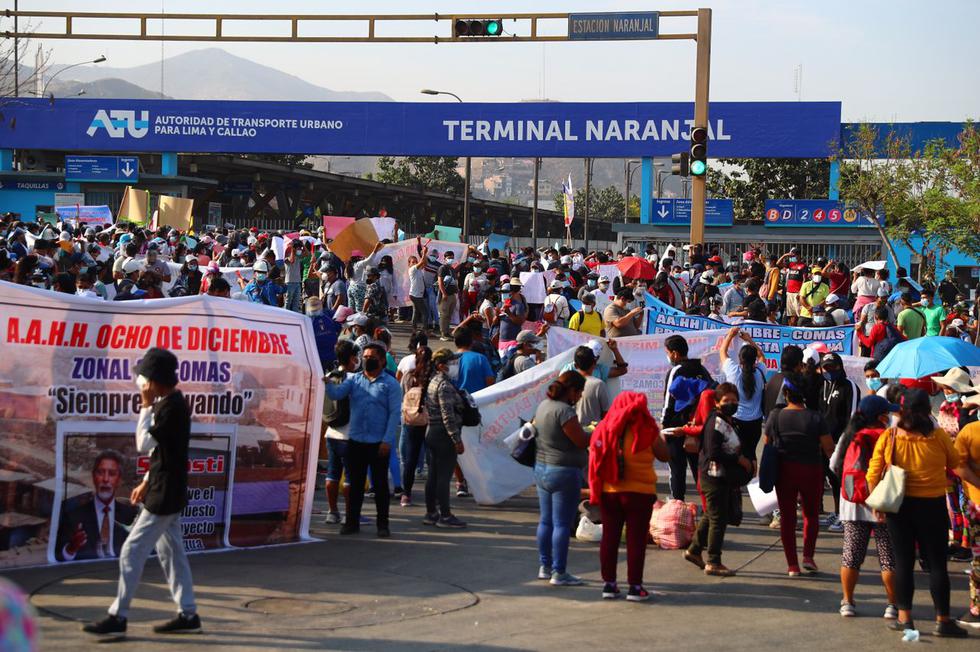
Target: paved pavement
429	589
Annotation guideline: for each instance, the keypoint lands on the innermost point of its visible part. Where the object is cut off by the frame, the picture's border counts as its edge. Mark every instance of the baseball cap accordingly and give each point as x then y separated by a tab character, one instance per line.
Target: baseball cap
555	285
883	291
358	319
443	355
596	347
874	406
816	270
130	266
527	337
831	299
603	279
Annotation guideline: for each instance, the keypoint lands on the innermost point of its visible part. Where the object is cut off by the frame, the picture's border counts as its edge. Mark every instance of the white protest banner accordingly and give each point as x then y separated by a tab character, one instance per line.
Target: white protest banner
536	285
251	377
400	252
230	274
491	473
384	227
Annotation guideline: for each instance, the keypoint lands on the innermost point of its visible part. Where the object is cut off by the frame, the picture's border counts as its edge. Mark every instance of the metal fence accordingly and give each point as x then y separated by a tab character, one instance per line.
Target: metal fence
849	253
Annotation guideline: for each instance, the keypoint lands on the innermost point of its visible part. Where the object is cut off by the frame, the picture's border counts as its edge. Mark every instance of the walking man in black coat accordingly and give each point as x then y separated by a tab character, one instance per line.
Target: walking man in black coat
163	431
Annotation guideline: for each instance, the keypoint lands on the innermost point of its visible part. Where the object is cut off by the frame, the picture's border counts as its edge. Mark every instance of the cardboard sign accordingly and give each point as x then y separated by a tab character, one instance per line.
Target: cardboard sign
175	212
358	236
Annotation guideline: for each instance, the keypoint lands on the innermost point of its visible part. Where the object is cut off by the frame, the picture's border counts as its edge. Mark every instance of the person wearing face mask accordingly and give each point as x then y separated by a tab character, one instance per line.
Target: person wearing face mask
514	313
416	287
812	293
375	416
333	288
601	294
325	331
443	440
850	462
555	309
838	400
934	313
734	297
448	294
748	374
260	289
188	280
474	286
954	415
723	468
587	320
795	274
877	386
619	319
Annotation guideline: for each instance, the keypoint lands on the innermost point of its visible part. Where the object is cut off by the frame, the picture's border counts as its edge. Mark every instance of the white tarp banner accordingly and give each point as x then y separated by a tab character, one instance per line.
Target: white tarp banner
400	252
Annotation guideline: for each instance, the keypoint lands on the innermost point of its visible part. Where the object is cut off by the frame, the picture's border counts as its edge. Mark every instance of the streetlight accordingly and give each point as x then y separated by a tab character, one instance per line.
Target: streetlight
74	65
629	179
466	189
660	182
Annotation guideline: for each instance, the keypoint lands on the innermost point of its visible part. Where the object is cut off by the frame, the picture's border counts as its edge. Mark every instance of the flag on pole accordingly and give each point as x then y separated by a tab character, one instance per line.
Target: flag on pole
569	202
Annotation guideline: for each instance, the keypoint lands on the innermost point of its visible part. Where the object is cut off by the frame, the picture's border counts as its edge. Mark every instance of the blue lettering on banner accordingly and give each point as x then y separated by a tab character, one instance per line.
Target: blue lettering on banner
662	318
546	129
677	212
815	212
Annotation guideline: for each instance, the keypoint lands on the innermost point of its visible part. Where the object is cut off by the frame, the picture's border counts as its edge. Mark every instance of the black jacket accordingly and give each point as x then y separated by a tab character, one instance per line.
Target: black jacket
838	403
691	368
167	486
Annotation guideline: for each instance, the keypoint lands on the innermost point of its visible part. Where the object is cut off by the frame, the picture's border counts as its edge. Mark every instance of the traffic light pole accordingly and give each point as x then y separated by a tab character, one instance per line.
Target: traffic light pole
699	185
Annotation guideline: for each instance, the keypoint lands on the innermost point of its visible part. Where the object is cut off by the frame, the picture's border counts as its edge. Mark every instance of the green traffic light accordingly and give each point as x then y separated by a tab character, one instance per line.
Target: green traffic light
493	28
698	168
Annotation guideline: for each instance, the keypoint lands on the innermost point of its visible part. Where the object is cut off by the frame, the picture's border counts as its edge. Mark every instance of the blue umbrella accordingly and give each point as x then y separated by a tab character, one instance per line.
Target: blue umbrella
927	355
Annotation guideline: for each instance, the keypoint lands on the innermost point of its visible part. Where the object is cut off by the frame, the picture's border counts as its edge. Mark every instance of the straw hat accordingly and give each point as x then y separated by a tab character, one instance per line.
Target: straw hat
957	380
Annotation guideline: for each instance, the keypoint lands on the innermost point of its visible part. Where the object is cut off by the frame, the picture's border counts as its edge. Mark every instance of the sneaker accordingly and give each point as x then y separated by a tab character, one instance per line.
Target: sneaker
544	573
847	609
333	518
610	591
835	525
694	559
898	626
383	532
891	612
450	522
369	493
350	528
110	627
959	553
774	523
443	338
181	624
793	571
565	579
718	571
406	500
398	493
462	491
637	594
809	565
364	520
827	519
949	629
430	519
969	619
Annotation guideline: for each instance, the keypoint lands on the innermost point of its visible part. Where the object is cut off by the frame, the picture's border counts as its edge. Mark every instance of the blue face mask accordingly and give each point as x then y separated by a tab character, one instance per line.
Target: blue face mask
953	398
471	260
874	384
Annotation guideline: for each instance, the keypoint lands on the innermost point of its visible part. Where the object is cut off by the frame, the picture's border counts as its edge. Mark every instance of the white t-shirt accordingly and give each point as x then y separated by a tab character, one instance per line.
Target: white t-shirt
601	300
559	304
416	282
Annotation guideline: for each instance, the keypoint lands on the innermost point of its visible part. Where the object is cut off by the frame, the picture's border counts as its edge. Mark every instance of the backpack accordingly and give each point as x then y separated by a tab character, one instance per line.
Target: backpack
470	414
413	408
336	413
883	347
854	481
507	364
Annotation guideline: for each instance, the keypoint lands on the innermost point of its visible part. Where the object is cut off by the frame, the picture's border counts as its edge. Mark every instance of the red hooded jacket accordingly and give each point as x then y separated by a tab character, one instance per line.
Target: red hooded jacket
628	409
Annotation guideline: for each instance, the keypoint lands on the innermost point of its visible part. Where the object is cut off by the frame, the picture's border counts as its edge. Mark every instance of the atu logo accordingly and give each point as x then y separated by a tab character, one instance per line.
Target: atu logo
118	122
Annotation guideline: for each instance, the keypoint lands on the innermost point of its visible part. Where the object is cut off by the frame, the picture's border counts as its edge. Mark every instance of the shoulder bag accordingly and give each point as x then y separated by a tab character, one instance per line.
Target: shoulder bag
889	493
769	462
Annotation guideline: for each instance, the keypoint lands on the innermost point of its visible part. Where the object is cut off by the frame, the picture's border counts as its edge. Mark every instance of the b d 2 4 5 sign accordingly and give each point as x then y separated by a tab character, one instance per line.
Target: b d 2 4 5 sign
815	213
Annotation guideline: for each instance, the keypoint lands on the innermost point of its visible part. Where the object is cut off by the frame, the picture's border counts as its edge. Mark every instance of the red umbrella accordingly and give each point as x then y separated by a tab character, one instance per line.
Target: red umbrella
633	267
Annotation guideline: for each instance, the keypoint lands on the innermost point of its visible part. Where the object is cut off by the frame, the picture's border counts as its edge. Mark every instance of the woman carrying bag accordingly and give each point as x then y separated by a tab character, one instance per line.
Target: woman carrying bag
924	452
443	441
622	481
415	419
722	468
850	463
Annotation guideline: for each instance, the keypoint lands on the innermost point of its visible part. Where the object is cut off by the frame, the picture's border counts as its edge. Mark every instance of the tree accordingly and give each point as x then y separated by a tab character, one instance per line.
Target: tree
24	82
605	204
292	160
750	182
430	172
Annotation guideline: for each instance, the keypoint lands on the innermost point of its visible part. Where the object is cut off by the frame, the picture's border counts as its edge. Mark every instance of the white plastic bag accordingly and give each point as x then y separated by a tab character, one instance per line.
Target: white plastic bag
764	503
588	531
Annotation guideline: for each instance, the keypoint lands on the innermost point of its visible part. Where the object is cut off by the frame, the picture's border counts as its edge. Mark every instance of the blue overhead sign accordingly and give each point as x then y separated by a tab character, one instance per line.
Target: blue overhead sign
30	183
677	212
613	26
102	168
526	129
814	212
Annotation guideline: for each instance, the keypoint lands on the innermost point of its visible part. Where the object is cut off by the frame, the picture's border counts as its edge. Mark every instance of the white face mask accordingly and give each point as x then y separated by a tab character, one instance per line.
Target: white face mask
817	278
588	309
142	382
453	370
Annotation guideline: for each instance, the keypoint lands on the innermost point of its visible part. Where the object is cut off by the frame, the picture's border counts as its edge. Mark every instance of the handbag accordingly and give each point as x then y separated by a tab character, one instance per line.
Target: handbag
889	493
769	462
525	450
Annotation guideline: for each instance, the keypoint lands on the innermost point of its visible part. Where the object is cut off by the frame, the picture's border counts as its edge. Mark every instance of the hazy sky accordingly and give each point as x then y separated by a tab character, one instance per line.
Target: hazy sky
885	60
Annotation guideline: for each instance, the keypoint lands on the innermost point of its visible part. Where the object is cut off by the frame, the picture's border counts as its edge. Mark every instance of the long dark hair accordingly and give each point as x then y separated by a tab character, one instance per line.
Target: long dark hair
911	419
794	389
747	356
859	422
423	367
567	382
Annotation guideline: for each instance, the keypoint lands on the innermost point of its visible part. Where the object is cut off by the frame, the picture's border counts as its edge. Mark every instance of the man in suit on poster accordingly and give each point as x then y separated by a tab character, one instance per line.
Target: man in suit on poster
98	525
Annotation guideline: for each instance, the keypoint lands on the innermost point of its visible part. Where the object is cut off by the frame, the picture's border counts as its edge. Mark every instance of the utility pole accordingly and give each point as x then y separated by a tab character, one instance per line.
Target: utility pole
701	84
16	53
588	189
534	207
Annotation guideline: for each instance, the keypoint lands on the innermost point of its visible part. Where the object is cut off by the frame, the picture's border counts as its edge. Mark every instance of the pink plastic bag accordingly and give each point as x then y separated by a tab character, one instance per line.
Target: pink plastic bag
672	524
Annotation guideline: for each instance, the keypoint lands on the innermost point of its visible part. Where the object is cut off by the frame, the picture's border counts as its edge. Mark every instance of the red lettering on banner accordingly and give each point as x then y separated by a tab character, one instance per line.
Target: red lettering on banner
13	331
212	464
